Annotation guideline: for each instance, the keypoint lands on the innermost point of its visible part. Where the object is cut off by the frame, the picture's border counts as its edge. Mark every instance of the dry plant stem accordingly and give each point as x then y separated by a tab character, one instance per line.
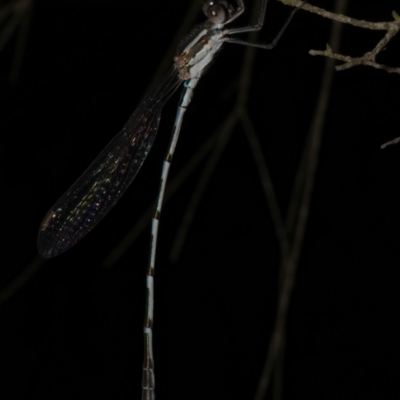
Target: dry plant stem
9	29
24	277
289	262
15	11
266	182
280	230
368	59
391	143
20	45
5	10
338	17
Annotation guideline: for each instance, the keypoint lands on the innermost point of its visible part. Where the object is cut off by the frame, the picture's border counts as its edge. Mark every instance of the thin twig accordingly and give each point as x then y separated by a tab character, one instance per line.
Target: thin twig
13	11
22	278
368	59
391	143
21	43
289	261
266	182
8	29
380	26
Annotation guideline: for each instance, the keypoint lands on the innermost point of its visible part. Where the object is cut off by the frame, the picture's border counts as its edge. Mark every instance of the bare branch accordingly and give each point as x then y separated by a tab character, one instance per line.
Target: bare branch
368	59
391	143
350	62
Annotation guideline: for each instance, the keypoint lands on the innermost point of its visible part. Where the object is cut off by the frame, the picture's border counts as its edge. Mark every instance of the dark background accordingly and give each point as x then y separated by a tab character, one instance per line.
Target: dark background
74	329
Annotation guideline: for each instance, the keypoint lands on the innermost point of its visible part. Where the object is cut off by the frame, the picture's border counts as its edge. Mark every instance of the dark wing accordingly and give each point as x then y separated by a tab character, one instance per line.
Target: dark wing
93	195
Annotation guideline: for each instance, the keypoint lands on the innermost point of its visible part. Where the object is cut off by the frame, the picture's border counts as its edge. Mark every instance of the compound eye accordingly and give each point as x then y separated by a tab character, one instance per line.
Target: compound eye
215	12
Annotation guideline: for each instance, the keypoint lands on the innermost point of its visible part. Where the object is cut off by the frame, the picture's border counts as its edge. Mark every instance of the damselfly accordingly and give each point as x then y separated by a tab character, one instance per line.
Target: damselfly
92	196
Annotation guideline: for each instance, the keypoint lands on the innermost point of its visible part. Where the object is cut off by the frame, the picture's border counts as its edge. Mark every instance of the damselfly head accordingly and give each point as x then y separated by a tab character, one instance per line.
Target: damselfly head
217	11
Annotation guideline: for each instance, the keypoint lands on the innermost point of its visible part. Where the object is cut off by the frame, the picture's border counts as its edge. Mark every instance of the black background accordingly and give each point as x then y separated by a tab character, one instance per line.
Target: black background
74	329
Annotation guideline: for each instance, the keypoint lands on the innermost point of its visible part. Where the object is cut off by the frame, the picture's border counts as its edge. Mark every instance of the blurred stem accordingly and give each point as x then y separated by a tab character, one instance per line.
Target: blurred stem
301	201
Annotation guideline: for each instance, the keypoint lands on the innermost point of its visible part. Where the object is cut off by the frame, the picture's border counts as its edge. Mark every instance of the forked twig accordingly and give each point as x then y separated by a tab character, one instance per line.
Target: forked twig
369	58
